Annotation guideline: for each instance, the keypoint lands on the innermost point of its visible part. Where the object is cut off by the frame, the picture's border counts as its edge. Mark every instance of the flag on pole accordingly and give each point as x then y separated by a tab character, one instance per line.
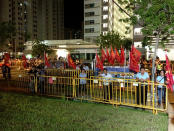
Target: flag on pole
103	55
169	75
24	61
112	57
137	53
99	63
46	60
134	58
117	56
107	55
122	56
71	62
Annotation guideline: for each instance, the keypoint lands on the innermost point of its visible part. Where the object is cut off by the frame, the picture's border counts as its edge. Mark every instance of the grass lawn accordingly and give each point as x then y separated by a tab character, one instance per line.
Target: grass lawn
21	112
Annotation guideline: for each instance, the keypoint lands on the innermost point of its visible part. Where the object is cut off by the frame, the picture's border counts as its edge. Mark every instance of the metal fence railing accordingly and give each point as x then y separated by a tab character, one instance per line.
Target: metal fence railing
114	91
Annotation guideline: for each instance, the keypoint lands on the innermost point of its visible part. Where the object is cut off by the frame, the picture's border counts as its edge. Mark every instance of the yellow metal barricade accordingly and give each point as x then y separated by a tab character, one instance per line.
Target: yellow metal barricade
55	86
128	92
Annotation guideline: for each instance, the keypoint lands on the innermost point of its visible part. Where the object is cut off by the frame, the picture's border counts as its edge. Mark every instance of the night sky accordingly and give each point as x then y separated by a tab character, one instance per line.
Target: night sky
73	14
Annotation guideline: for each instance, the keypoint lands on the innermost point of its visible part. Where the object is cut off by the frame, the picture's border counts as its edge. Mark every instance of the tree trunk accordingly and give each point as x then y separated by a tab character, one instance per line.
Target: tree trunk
154	58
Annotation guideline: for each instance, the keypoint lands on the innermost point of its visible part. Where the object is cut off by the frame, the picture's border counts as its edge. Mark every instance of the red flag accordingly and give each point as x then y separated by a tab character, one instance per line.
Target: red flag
71	62
137	53
134	59
107	55
46	60
6	58
133	65
24	61
169	75
122	56
103	55
99	63
112	57
117	57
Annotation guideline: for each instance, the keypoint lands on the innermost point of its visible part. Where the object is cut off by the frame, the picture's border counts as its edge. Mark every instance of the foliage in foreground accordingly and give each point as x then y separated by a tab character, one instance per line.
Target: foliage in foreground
21	112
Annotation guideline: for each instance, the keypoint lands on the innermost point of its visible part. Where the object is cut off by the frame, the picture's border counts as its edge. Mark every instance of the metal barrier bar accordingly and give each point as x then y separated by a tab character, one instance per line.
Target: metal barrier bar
116	91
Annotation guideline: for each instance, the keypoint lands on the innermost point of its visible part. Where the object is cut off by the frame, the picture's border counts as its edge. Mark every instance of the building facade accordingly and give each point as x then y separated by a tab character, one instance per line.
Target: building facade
101	16
34	19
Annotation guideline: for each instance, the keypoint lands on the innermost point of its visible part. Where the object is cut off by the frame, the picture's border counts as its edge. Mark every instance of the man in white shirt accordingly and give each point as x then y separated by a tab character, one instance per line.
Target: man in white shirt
107	85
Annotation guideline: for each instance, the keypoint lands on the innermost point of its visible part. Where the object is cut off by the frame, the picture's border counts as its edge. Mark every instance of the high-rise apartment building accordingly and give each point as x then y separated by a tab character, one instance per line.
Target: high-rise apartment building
39	19
101	16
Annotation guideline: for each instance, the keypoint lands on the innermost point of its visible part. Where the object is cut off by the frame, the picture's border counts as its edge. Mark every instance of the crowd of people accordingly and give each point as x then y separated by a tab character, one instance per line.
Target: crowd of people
37	67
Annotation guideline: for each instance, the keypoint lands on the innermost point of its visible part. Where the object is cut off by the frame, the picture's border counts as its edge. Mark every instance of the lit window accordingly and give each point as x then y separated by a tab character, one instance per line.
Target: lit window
105	0
137	31
105	17
105	32
105	25
105	8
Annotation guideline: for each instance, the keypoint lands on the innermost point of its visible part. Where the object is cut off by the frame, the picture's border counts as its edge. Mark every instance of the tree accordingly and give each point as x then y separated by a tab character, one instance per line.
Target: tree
113	39
156	17
38	48
7	30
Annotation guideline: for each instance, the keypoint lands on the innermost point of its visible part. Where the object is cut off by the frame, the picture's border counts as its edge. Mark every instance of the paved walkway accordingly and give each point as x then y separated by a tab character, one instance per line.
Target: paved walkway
171	111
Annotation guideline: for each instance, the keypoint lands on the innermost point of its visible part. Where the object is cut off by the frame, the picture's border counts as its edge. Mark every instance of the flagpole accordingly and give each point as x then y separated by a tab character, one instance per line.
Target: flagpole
124	61
44	58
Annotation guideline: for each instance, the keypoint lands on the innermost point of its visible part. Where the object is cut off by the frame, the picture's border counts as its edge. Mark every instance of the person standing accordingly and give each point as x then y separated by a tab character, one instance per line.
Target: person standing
161	89
107	85
141	90
82	86
159	68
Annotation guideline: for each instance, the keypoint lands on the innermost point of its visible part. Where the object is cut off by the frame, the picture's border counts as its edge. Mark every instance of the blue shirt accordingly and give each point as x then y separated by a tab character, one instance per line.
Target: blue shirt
82	75
144	76
160	79
86	68
106	78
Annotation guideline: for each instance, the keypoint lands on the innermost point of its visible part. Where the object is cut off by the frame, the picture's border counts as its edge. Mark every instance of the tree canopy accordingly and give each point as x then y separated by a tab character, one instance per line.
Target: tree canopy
7	30
113	39
156	17
38	48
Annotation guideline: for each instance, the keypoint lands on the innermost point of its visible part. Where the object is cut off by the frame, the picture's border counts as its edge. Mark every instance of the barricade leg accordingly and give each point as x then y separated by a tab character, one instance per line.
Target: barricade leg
35	79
